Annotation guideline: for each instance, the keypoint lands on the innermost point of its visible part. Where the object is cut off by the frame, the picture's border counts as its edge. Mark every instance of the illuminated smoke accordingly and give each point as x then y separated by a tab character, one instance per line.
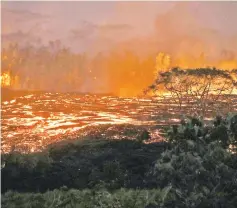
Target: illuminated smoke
179	39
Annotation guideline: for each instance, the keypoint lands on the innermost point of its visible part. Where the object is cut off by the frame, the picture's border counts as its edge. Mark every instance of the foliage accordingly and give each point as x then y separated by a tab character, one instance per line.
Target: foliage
122	198
87	163
221	129
193	169
199	174
202	87
201	171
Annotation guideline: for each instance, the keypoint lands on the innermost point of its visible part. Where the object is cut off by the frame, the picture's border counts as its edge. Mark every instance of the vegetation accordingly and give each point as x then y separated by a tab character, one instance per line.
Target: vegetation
87	198
84	164
223	131
204	87
198	167
34	67
193	168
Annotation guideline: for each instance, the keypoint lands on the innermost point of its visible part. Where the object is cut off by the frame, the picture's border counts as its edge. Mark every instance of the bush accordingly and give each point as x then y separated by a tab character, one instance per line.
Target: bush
222	130
199	173
194	169
123	198
84	164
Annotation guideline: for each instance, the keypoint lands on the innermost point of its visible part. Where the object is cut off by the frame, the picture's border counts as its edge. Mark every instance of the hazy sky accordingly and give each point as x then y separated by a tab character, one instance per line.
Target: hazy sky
189	32
100	25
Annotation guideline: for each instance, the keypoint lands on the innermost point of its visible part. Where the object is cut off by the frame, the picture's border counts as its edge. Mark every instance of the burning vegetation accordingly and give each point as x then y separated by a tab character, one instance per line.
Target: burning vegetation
5	79
123	74
178	38
169	150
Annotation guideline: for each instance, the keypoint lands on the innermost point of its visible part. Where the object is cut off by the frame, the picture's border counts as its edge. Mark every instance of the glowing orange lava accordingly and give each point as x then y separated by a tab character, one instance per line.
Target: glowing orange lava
38	120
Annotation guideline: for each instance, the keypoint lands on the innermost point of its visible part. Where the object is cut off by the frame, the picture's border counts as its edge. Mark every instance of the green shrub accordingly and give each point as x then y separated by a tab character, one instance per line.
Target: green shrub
194	169
84	164
197	171
122	198
222	130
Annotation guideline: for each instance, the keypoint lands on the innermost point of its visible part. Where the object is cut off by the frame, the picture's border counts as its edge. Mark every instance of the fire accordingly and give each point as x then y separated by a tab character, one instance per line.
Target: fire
163	62
124	74
228	64
5	79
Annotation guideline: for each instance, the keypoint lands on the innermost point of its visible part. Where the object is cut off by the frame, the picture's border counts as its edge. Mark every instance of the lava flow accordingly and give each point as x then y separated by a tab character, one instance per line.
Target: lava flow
32	122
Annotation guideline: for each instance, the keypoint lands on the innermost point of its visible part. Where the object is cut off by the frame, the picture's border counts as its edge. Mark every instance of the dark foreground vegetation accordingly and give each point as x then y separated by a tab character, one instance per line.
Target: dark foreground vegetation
194	167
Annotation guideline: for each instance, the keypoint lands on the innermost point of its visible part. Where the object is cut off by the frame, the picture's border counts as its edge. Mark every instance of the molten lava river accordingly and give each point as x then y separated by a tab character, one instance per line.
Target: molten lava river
35	121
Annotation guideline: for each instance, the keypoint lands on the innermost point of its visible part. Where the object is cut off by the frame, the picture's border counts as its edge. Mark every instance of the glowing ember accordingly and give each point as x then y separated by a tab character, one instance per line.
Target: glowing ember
5	79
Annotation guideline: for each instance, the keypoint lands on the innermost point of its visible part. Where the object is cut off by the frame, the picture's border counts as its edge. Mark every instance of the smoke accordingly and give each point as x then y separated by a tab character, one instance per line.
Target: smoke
191	34
182	32
188	33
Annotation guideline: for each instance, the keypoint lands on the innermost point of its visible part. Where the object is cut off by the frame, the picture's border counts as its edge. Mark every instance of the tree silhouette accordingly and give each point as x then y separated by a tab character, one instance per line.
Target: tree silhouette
204	87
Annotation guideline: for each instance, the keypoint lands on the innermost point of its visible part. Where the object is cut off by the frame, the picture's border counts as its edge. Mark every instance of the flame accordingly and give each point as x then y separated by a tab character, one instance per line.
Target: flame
123	73
5	79
228	64
163	62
